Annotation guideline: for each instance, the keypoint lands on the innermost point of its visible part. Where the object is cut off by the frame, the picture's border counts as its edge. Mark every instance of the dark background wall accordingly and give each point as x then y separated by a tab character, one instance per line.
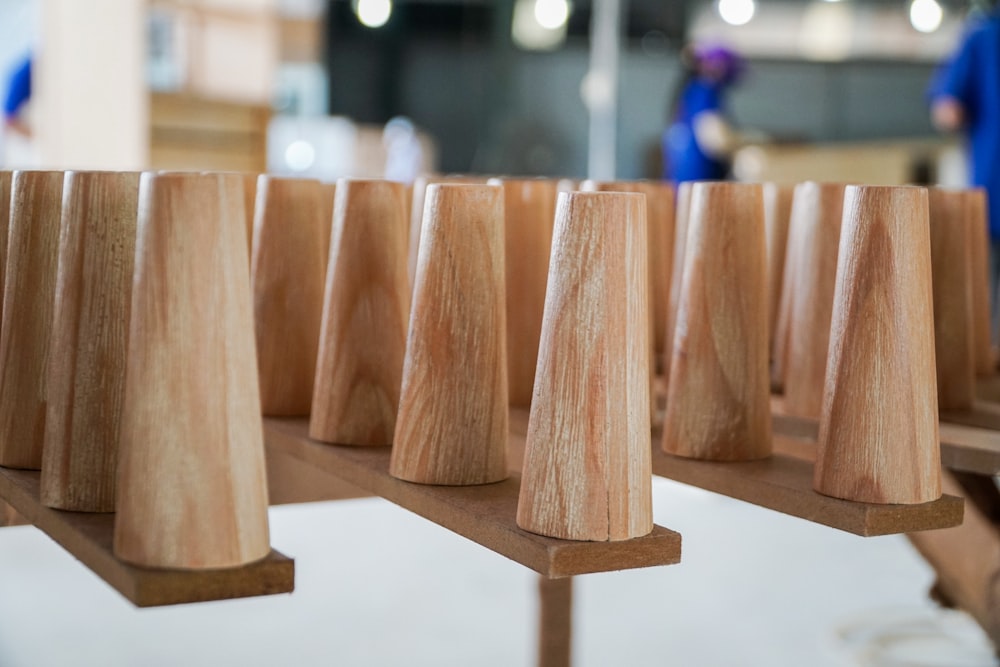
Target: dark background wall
496	109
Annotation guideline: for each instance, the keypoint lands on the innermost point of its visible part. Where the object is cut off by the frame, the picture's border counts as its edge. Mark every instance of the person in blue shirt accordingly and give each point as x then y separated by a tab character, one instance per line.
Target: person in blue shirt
699	141
18	94
965	95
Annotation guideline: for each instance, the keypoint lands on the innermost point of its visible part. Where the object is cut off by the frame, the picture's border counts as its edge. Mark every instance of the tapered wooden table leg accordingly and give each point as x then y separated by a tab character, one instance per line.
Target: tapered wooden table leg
555	622
717	397
29	291
878	432
87	350
816	211
777	211
982	325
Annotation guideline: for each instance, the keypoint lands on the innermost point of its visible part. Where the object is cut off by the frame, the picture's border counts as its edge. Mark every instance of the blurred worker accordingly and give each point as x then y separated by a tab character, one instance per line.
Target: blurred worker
18	92
699	141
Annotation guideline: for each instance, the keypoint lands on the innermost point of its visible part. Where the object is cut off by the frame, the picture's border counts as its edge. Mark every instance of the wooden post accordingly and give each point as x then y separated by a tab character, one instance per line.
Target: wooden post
951	281
249	206
717	399
555	622
363	336
287	281
587	471
5	196
817	210
192	489
878	432
777	211
982	320
683	213
452	422
29	290
326	215
86	370
529	213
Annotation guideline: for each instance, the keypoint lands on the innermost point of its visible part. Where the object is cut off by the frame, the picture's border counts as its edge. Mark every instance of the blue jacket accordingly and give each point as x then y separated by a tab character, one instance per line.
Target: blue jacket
683	158
18	89
972	76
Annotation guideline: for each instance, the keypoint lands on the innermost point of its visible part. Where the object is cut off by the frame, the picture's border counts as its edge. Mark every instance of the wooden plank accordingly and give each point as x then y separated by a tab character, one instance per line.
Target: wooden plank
88	537
483	513
963	448
784	483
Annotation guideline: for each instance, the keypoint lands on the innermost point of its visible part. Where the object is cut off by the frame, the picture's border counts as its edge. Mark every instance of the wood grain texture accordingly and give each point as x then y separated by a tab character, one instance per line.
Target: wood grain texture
87	350
681	217
249	182
29	292
660	243
286	276
88	537
586	469
192	488
717	396
483	513
451	427
529	214
777	211
365	312
555	622
878	433
817	209
329	191
951	282
981	319
418	195
786	297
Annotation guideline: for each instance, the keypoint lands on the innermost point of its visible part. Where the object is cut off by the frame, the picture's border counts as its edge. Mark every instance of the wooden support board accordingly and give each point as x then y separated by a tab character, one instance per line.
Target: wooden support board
963	448
483	513
88	537
784	483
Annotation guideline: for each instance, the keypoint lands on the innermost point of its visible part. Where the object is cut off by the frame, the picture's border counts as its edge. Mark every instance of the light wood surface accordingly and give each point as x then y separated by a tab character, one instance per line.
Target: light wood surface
451	427
287	276
717	395
482	513
681	217
817	210
191	486
326	215
88	537
878	433
777	211
365	311
981	297
29	292
249	180
586	468
85	386
783	319
951	282
529	213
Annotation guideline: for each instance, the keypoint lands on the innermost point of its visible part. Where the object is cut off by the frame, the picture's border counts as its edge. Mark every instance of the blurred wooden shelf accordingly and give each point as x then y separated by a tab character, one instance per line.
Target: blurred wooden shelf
88	537
484	514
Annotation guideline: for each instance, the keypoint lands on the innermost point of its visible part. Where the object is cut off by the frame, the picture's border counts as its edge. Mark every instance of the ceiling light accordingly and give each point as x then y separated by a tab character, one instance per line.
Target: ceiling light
551	14
925	15
736	12
373	13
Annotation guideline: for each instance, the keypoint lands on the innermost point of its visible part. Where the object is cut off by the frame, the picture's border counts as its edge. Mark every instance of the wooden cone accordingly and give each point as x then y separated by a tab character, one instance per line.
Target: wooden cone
982	326
777	211
287	281
878	433
951	280
817	210
87	350
363	336
249	182
681	217
452	422
587	472
191	483
529	212
29	291
718	405
329	191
